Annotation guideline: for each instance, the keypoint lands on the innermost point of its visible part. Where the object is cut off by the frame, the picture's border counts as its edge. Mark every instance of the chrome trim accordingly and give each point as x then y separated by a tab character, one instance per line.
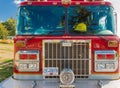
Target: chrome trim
18	61
48	83
75	55
28	77
105	61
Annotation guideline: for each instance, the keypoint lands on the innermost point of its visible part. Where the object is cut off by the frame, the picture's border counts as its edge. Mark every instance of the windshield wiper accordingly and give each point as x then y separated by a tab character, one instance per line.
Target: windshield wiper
56	31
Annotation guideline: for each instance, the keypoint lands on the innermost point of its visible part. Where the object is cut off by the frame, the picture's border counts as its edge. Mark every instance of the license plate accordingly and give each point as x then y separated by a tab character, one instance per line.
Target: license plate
50	71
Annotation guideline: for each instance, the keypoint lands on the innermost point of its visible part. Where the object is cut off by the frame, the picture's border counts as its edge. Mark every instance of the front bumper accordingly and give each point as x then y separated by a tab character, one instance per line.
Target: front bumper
55	83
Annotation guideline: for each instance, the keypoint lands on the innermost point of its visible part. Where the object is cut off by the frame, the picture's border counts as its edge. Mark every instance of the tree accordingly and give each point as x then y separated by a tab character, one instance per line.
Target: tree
10	24
3	31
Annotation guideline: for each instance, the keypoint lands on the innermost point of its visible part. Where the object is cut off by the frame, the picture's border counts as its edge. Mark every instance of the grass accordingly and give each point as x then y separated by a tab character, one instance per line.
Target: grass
6	61
6	69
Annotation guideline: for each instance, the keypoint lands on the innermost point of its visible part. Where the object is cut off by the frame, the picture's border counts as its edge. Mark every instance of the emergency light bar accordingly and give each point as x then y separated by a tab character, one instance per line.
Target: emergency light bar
36	0
65	1
94	0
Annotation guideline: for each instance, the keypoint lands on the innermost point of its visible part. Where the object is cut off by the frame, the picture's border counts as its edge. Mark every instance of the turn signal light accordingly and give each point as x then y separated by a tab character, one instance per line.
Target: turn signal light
32	56
100	56
28	56
23	56
110	56
105	56
113	43
20	44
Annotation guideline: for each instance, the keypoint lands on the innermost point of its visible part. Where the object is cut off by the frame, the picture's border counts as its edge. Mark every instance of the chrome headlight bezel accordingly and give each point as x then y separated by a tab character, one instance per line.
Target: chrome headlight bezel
108	62
27	65
106	66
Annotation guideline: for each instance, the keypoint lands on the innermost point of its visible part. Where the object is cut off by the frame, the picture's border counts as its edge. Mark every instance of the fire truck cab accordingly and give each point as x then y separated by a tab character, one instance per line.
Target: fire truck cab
66	44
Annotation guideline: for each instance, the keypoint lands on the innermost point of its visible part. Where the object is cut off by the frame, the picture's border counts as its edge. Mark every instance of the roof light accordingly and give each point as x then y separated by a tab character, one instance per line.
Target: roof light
66	2
77	3
94	0
54	3
36	0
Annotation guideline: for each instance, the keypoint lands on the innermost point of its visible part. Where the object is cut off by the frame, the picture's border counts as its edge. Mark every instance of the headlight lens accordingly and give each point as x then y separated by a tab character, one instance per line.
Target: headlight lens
110	66
32	66
106	66
24	67
100	66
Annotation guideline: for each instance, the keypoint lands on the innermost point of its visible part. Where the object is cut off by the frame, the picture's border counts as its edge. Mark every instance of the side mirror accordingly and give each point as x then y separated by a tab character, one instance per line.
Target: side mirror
115	17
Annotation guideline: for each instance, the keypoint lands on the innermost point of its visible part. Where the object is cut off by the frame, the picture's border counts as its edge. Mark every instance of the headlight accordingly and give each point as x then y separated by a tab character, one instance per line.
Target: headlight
110	66
24	67
32	66
106	61
100	66
27	60
106	66
67	76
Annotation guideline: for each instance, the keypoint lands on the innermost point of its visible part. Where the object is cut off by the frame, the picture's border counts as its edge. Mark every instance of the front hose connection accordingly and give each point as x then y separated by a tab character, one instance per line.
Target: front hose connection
34	84
100	84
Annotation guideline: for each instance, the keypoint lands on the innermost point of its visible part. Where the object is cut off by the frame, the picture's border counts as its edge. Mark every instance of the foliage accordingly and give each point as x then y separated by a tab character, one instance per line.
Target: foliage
10	24
7	28
3	31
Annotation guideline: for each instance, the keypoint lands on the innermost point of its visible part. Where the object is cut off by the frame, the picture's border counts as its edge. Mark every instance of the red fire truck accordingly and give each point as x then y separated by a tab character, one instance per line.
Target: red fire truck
66	44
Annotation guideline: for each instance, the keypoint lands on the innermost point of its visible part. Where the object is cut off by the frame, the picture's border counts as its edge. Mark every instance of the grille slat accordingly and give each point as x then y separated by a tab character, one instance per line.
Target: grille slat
75	56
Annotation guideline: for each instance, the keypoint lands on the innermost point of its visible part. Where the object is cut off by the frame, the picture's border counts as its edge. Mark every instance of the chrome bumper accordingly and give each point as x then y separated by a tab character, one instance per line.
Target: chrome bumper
55	83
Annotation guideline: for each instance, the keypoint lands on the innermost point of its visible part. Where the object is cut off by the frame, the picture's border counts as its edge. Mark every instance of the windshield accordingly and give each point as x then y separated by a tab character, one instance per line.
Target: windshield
58	20
95	20
41	20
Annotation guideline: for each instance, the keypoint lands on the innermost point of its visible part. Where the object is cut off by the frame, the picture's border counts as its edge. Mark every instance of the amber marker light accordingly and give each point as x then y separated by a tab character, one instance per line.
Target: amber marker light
20	44
112	43
66	2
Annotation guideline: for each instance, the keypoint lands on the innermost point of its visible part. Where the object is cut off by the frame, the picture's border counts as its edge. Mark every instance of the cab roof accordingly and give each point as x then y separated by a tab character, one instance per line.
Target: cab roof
61	2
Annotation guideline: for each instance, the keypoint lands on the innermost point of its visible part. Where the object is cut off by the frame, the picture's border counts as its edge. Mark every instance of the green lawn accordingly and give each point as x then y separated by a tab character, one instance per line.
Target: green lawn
6	61
6	69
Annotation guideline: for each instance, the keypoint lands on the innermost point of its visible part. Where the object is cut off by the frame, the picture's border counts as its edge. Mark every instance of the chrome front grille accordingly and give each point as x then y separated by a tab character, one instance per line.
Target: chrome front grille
73	54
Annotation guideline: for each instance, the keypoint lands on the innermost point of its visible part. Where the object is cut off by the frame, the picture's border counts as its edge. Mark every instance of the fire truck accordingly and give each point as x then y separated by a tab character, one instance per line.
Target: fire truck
66	44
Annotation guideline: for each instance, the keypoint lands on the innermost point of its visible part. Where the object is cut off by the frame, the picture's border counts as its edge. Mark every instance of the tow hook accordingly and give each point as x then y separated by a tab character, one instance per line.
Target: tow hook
100	84
34	84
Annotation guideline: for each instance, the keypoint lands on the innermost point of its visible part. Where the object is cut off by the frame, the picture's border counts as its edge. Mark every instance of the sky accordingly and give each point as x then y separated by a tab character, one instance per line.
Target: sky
8	9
